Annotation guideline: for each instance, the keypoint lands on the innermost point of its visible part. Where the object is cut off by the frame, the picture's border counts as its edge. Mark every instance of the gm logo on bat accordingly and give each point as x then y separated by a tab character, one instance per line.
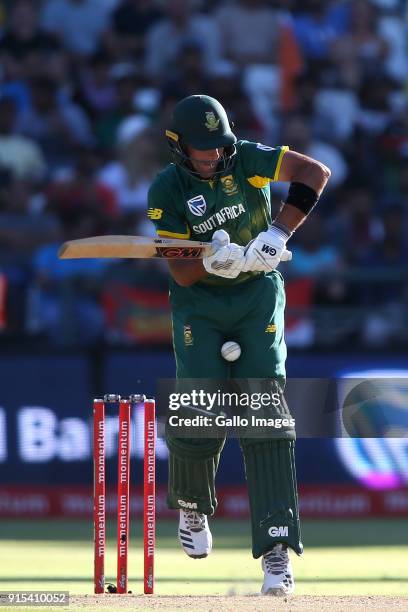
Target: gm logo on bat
180	252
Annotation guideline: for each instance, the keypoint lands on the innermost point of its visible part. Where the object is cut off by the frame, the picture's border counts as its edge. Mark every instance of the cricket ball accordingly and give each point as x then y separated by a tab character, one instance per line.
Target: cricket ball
231	351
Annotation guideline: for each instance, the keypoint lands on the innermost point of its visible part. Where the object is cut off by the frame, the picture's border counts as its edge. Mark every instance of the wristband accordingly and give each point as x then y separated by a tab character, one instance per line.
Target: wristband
283	228
302	197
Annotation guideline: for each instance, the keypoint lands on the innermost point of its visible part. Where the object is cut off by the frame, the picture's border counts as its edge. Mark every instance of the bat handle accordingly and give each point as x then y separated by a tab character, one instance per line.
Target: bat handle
286	255
220	238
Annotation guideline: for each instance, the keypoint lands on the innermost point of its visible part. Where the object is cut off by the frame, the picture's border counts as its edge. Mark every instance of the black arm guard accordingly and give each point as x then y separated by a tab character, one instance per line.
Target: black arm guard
302	197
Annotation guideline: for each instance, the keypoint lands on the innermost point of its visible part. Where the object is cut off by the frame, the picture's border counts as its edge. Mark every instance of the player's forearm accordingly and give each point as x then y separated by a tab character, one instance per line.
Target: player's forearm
290	216
186	273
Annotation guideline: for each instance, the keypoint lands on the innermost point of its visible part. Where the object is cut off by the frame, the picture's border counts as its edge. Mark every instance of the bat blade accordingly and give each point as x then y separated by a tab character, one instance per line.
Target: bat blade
139	247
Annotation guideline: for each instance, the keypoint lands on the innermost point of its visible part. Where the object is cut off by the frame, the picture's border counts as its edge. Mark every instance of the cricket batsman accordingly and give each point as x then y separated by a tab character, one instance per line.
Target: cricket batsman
217	189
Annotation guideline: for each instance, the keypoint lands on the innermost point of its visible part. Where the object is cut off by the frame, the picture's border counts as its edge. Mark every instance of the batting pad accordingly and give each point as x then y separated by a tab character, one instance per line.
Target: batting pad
193	464
272	489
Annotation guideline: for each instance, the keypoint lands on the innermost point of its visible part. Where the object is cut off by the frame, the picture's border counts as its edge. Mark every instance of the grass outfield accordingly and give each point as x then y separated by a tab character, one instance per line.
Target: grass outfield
364	557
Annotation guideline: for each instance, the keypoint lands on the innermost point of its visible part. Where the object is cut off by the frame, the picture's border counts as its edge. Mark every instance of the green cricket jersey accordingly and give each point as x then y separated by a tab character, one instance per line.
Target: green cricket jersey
183	206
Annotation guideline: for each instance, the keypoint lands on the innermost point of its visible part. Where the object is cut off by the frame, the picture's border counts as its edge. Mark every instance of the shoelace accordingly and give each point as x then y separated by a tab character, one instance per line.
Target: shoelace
276	561
195	520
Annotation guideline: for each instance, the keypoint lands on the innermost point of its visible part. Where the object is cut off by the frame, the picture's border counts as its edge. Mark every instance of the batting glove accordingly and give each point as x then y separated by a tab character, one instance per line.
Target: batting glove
267	250
227	259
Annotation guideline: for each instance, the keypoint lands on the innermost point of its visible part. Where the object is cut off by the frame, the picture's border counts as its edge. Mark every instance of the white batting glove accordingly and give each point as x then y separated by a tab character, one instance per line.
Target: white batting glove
227	259
267	250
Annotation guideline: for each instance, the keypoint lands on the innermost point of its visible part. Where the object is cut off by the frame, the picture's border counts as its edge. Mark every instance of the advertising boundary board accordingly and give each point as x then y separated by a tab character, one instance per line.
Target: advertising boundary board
75	502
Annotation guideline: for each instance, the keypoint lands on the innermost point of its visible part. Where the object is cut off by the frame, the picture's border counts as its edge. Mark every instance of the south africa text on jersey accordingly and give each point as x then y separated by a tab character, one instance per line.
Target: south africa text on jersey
219	218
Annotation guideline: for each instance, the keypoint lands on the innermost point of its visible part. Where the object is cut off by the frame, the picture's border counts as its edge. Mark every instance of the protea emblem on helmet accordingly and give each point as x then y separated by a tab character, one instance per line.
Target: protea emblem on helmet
212	122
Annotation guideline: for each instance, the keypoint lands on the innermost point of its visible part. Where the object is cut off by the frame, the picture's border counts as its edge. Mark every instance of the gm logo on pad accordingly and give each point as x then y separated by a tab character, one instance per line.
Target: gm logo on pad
278	531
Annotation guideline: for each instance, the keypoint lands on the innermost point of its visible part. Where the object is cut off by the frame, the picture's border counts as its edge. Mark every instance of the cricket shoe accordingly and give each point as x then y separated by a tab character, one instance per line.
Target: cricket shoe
194	534
278	574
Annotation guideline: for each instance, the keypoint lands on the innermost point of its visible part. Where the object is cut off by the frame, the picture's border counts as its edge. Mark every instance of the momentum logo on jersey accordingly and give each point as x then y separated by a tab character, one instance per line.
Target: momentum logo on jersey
197	205
219	218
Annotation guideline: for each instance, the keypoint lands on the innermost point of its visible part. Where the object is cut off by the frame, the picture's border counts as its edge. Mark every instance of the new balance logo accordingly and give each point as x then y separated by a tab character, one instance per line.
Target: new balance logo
278	531
268	249
154	213
189	505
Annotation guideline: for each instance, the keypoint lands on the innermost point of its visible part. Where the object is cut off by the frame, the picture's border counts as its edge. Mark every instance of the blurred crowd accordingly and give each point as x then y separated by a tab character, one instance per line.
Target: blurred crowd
86	88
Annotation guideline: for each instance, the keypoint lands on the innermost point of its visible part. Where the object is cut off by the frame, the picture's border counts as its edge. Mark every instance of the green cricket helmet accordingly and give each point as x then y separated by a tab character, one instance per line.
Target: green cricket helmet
200	122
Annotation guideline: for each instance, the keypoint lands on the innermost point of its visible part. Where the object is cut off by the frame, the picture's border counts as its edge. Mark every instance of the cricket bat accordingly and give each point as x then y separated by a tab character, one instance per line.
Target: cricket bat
138	247
133	247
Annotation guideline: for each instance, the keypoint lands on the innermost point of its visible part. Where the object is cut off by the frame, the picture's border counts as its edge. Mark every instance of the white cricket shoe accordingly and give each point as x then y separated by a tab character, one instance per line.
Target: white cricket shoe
194	534
278	573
